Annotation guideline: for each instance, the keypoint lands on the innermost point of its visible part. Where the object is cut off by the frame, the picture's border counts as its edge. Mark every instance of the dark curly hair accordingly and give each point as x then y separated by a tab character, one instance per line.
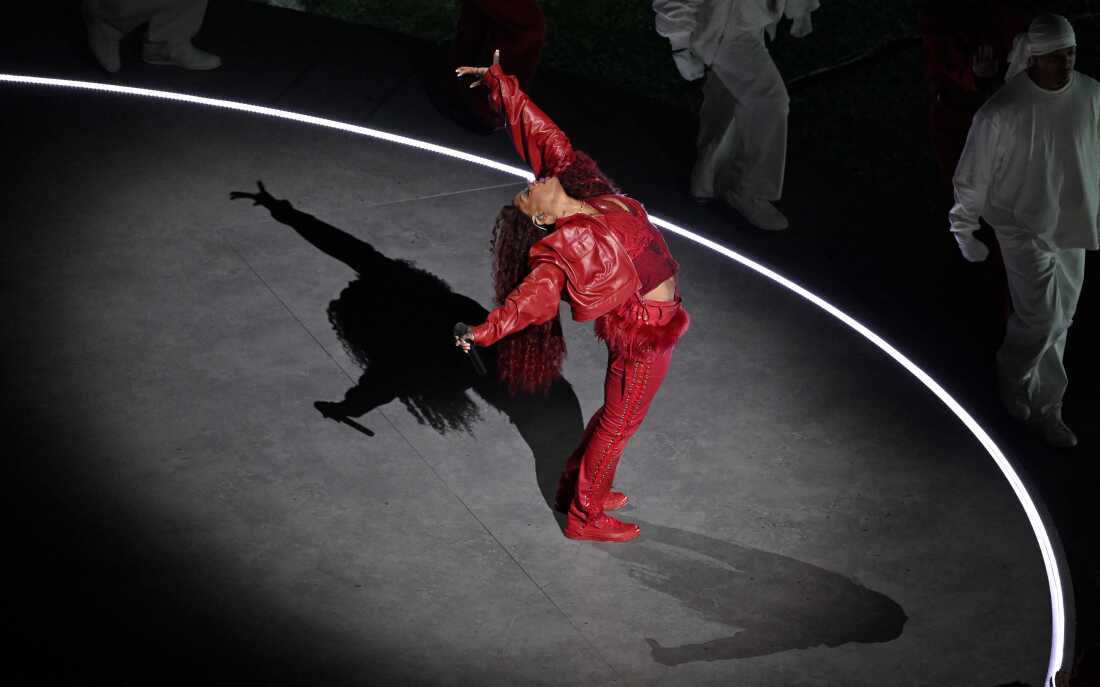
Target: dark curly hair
530	360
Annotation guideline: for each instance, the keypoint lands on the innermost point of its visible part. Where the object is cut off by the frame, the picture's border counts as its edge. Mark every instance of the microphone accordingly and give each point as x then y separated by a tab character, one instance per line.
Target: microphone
461	330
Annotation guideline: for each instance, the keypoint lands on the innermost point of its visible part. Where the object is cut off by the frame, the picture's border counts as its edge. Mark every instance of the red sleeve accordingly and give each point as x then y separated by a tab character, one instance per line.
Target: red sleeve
542	145
534	301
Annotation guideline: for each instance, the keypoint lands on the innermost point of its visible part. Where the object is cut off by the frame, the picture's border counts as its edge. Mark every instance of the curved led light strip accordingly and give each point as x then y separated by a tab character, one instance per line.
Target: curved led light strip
1046	548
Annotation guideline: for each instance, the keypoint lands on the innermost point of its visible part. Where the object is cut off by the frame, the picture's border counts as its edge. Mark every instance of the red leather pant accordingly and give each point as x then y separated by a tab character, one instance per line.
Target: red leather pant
631	383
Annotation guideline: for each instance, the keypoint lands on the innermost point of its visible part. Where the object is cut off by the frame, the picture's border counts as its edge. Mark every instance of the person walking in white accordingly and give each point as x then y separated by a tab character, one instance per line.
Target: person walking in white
172	25
742	142
1031	168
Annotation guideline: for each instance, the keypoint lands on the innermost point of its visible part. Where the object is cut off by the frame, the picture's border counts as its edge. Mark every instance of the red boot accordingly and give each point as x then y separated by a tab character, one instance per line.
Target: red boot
615	500
592	524
567	490
601	528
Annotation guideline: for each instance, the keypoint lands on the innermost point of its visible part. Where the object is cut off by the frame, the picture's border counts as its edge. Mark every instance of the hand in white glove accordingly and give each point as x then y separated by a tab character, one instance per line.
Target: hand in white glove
802	26
688	64
971	248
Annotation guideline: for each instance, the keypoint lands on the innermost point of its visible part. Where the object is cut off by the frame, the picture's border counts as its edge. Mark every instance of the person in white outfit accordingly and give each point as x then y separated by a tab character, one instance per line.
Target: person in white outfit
171	26
1031	169
742	142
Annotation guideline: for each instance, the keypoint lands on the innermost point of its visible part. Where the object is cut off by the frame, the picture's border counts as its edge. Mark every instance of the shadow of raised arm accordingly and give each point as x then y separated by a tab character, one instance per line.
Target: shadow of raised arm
395	321
334	242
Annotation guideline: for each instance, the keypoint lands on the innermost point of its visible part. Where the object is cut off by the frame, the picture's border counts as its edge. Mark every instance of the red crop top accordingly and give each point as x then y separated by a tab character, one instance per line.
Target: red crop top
642	241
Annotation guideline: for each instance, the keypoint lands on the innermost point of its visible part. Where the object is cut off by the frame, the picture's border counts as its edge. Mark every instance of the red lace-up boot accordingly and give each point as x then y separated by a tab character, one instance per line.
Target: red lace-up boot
567	484
586	519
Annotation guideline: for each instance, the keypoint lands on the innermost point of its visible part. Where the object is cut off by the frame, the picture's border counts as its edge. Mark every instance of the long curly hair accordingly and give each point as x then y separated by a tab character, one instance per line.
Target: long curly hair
530	360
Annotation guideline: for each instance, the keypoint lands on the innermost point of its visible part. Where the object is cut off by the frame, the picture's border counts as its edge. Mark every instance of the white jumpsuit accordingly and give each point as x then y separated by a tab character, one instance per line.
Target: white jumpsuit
1031	168
742	143
170	21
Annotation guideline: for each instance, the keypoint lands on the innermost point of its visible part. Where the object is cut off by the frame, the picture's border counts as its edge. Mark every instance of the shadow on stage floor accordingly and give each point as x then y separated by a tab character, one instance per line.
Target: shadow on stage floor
395	320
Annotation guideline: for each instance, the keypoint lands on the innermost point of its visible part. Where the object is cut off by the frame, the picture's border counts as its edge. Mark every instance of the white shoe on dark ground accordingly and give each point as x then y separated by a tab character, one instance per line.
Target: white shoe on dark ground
1055	432
759	212
183	55
1015	400
103	42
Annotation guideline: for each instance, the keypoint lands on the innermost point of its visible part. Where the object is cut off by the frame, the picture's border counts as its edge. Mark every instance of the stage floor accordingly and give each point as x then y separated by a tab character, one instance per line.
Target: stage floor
810	513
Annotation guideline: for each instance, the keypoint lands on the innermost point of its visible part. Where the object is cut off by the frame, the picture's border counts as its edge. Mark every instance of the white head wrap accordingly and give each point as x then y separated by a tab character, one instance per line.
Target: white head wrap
1047	33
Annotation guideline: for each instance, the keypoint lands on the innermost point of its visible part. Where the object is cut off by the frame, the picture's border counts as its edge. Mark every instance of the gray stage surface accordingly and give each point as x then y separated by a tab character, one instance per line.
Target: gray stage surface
810	514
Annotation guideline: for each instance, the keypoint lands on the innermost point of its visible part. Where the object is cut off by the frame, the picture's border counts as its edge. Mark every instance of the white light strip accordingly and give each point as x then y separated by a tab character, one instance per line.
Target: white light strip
1046	548
270	112
1050	561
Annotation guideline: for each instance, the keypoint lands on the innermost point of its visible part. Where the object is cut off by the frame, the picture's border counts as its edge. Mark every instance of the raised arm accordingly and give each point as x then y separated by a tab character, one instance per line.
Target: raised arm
542	145
534	301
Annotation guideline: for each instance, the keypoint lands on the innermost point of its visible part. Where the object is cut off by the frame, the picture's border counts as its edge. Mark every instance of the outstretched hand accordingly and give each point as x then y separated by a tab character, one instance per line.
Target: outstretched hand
985	64
477	71
262	197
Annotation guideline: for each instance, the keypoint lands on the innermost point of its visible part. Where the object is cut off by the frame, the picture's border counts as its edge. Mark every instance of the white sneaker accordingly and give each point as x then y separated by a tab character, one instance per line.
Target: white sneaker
1015	400
103	42
759	212
182	55
1055	432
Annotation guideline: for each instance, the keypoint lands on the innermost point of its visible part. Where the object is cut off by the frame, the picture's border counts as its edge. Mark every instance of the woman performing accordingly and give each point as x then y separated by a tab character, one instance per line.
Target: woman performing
572	231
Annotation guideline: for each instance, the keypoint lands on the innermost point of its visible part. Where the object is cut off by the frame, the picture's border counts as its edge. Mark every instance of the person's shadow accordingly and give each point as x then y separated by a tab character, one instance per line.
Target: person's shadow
773	603
396	321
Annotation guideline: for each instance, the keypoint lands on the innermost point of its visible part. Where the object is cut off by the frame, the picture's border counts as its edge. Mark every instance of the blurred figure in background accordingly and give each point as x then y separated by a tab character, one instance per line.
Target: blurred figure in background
1031	169
171	26
517	28
965	48
742	142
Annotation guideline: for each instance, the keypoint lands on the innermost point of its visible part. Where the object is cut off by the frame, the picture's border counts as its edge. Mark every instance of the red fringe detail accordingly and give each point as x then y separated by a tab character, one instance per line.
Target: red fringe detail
626	334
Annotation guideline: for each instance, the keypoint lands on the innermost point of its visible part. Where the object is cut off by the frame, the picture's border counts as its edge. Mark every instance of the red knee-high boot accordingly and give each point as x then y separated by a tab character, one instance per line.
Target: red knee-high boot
586	518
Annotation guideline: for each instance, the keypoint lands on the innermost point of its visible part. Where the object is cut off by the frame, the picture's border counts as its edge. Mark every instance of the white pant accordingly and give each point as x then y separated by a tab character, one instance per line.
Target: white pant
170	21
1045	283
742	142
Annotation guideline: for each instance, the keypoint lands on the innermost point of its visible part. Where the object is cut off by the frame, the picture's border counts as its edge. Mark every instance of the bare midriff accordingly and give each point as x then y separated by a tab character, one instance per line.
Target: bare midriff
665	291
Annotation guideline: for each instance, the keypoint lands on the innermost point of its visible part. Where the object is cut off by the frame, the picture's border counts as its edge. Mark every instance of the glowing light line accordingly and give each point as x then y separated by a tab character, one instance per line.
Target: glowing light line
1046	547
270	112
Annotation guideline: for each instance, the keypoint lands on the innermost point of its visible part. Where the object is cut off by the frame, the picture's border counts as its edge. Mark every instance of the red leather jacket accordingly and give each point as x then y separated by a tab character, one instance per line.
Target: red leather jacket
581	256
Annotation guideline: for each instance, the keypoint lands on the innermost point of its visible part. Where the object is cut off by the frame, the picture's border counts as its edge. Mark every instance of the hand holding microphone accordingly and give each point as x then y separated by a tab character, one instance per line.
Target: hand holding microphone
464	340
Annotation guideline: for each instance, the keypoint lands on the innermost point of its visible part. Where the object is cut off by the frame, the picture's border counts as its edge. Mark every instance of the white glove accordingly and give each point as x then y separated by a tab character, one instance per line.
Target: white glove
972	248
802	26
688	64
